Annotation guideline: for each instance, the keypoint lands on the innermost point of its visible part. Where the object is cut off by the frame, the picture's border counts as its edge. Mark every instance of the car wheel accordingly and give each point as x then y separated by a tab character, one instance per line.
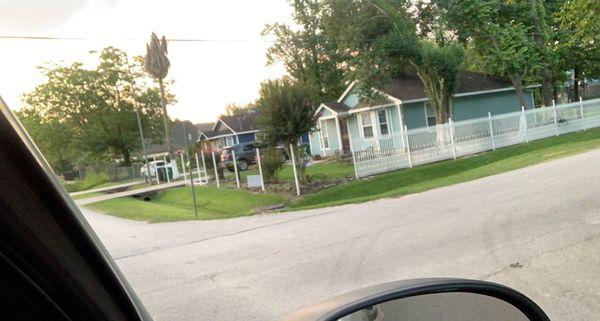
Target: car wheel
242	164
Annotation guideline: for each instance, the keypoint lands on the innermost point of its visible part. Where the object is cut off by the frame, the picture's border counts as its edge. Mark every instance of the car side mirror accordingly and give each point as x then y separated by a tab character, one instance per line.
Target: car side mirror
427	300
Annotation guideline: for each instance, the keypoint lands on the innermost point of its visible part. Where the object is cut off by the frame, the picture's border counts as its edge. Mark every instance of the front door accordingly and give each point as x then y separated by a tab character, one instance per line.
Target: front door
345	136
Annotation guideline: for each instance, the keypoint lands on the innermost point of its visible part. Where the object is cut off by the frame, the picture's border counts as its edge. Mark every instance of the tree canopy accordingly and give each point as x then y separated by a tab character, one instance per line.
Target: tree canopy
90	113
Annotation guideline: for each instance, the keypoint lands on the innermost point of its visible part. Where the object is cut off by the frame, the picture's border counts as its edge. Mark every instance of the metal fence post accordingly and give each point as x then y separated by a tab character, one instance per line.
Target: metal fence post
491	131
524	123
407	146
294	168
166	169
237	177
215	168
452	137
198	167
204	166
581	109
183	168
555	117
259	161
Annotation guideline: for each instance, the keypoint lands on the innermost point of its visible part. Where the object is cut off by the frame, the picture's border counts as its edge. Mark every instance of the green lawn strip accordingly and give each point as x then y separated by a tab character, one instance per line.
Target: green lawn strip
445	173
176	204
328	169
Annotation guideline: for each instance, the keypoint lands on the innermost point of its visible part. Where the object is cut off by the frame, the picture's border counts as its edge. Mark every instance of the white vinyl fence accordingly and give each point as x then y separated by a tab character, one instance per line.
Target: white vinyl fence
454	139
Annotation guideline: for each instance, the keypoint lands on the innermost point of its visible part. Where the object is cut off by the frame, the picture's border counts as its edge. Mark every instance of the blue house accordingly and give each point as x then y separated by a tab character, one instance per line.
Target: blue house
231	130
404	103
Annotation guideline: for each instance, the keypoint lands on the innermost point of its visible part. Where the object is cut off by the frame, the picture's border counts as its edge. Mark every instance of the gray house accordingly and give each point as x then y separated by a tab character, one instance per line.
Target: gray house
405	103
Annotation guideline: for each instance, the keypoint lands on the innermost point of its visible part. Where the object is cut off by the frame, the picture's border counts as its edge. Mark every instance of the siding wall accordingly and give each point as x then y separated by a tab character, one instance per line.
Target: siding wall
470	107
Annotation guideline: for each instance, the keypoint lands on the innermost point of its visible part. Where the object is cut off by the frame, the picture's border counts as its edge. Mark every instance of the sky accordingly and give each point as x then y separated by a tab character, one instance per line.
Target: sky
207	75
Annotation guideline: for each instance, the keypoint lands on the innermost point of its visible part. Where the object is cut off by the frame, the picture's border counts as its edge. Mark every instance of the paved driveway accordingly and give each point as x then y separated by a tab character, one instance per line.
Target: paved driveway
543	220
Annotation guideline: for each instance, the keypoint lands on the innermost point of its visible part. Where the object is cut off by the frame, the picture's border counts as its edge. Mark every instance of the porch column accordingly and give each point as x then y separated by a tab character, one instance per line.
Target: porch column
401	119
339	134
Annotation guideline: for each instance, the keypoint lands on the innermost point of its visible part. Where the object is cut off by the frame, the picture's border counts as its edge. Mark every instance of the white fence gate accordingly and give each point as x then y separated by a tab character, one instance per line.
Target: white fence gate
454	139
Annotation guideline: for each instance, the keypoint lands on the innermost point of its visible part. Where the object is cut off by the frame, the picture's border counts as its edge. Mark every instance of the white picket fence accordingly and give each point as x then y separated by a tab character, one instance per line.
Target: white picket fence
454	139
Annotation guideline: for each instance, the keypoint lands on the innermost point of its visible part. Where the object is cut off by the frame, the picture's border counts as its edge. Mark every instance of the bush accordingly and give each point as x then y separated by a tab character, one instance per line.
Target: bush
272	162
90	181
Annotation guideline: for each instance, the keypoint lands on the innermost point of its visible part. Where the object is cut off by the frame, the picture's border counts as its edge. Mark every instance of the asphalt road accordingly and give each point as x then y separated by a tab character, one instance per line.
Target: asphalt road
536	229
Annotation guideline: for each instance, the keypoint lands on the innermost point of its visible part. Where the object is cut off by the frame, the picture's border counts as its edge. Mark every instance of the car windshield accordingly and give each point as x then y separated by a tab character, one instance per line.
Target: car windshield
243	159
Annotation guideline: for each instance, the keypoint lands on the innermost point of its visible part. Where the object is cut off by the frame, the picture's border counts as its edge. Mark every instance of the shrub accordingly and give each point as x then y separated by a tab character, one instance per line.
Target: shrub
272	162
91	180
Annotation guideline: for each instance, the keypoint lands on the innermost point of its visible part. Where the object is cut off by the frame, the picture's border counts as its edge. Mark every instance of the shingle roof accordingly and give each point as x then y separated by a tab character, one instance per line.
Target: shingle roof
337	107
205	127
241	123
409	86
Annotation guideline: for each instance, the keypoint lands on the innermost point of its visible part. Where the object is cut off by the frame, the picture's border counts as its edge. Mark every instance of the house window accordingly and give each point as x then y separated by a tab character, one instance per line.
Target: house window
429	114
382	117
325	134
366	124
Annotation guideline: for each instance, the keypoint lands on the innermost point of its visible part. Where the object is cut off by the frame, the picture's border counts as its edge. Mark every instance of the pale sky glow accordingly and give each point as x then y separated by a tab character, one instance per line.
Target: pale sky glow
207	75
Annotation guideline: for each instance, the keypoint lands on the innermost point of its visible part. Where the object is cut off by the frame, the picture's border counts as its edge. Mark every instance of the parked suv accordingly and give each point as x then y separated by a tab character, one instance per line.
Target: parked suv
245	154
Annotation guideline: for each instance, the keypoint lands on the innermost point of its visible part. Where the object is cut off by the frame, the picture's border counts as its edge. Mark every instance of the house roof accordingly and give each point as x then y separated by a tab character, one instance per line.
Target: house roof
241	123
336	106
205	128
409	86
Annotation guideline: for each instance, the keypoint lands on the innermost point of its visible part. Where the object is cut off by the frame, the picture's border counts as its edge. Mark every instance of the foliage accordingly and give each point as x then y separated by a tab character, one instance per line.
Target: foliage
90	180
156	64
272	162
500	33
286	111
386	44
233	109
576	45
307	55
95	109
53	137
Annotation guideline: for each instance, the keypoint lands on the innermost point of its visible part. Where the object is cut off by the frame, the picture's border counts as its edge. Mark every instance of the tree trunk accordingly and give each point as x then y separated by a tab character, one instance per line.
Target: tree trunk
576	75
540	40
518	84
163	103
126	156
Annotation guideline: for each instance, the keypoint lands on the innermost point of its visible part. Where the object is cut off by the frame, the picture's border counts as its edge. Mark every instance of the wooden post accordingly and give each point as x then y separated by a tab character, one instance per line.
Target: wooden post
183	168
259	162
524	123
155	170
581	109
204	166
197	167
452	137
215	168
491	131
294	169
555	117
237	177
407	146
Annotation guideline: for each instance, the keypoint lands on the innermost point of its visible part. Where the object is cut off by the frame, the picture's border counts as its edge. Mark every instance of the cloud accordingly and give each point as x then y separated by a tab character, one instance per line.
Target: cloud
18	16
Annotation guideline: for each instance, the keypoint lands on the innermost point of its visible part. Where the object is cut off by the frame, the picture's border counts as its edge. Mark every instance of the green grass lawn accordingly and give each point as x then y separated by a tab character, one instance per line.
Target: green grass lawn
176	204
324	170
445	173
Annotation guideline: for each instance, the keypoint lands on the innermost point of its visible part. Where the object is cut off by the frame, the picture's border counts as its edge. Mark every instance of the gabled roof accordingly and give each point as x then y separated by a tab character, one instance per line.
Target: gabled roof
241	123
337	106
205	127
409	86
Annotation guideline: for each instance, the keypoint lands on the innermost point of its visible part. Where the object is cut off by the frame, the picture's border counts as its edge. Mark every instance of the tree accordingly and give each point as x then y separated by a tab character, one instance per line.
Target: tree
497	32
286	111
307	55
576	43
233	109
95	107
52	137
386	44
157	65
541	38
